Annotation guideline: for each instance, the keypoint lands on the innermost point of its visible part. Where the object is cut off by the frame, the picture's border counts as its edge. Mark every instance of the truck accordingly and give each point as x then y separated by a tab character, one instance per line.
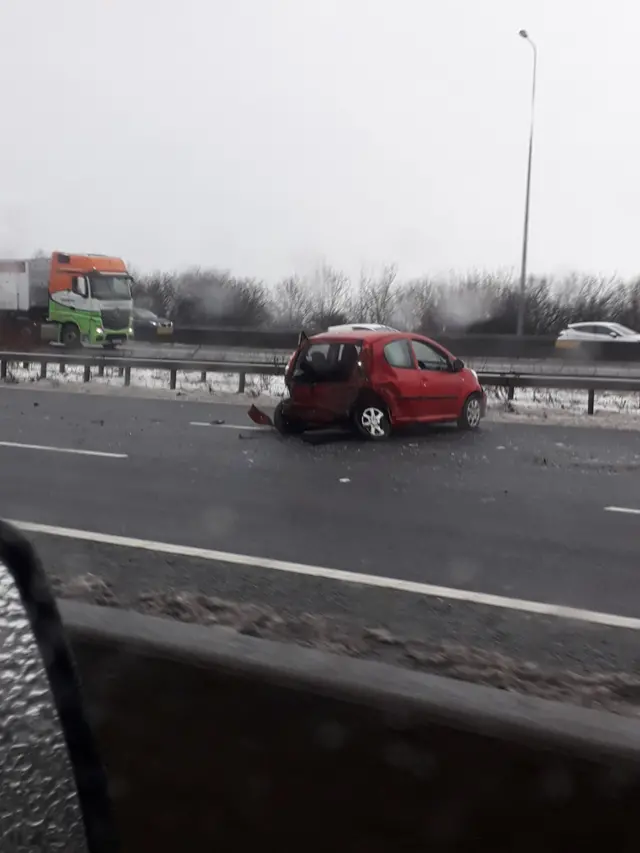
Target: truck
67	299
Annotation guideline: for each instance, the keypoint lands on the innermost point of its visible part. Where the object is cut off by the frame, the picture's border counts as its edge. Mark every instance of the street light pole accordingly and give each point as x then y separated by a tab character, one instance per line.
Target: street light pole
525	239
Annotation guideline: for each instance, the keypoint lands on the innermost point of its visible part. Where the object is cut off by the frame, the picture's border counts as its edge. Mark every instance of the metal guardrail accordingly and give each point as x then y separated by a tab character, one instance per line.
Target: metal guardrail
591	384
508	380
126	365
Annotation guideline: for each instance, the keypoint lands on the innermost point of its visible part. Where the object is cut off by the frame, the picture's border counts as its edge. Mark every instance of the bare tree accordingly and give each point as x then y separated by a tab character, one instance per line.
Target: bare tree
377	296
291	303
156	291
330	297
200	297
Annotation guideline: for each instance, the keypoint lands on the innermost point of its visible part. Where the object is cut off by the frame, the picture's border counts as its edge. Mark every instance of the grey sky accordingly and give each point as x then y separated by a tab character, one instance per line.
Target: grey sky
267	135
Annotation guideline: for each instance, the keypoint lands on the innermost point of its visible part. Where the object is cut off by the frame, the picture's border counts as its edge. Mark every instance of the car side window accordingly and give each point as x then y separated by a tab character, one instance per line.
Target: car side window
428	358
398	354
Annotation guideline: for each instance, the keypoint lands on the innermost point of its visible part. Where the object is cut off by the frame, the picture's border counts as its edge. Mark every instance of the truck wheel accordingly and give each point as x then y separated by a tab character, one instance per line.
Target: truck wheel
285	425
70	336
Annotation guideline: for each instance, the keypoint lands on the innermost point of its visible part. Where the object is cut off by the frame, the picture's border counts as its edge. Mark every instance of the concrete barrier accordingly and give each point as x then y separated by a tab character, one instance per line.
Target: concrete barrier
214	741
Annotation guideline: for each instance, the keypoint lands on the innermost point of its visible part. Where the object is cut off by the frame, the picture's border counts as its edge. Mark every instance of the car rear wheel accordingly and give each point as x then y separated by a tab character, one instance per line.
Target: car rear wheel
286	425
372	421
471	414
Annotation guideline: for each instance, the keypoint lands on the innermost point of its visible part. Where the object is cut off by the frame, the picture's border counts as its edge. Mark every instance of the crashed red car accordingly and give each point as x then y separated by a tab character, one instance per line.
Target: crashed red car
375	381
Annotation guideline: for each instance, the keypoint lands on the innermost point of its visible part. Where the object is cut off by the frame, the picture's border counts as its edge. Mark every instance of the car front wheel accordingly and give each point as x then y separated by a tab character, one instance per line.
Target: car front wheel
372	421
471	414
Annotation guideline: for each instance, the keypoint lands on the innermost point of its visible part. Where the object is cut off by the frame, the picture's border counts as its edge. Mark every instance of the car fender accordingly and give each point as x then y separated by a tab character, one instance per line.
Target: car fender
386	392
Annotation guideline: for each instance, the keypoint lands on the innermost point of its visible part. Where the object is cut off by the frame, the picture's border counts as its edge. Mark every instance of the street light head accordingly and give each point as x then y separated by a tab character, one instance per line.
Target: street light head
523	34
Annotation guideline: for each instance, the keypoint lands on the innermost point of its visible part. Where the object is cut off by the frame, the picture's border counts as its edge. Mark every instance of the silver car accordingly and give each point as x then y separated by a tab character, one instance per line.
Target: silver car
576	332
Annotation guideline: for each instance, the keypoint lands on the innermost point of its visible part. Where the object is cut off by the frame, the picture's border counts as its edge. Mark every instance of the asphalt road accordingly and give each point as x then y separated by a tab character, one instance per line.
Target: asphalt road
515	511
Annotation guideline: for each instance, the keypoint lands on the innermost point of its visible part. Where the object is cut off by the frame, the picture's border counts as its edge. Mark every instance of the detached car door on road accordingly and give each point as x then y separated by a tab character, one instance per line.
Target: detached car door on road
441	387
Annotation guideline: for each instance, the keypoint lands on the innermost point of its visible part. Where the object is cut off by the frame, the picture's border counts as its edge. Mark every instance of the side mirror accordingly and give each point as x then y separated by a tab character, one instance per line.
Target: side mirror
53	786
613	334
457	365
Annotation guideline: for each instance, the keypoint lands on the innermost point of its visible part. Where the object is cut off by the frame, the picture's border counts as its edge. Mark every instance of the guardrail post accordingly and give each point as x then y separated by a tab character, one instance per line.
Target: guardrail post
62	367
25	365
511	392
3	368
127	376
203	376
121	372
43	370
242	378
86	373
101	370
173	376
591	401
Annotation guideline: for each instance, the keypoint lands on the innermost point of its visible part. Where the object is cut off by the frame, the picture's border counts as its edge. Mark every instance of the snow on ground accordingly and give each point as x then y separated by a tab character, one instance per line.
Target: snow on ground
531	405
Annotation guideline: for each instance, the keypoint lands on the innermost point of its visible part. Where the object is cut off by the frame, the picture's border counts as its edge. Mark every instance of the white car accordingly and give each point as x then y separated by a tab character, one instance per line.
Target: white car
361	327
576	332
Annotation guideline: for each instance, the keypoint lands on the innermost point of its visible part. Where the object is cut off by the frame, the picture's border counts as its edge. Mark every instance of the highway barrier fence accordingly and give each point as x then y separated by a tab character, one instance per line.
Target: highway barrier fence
508	380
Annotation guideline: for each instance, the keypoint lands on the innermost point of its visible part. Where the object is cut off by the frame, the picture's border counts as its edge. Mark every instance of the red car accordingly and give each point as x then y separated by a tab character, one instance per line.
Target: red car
376	380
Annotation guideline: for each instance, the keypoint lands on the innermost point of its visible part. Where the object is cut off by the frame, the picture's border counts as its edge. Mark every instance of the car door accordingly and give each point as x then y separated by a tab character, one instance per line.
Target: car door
325	380
441	387
399	380
588	333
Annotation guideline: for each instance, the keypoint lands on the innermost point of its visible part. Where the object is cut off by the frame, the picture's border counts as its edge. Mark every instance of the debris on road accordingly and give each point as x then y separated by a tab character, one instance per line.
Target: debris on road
259	417
345	480
217	422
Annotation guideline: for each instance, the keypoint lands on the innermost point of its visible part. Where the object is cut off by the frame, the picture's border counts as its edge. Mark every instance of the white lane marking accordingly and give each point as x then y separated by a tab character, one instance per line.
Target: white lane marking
63	450
622	509
227	426
537	607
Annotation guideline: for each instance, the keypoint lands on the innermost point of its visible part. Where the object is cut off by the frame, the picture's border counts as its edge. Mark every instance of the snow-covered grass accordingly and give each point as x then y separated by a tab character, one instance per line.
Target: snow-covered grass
257	385
566	400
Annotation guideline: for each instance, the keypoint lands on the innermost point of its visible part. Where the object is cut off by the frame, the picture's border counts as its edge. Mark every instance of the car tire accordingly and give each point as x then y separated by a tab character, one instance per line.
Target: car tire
285	425
471	414
70	336
372	421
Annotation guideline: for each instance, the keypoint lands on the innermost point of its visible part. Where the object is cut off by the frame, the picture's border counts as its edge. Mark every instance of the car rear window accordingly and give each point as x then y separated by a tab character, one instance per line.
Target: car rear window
398	354
328	362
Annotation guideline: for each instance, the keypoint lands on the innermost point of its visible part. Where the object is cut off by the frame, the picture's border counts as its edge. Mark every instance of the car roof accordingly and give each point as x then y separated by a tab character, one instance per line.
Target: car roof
590	323
349	336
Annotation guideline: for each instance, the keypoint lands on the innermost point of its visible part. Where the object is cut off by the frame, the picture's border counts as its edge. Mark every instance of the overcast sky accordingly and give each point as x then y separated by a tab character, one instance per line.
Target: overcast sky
266	136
